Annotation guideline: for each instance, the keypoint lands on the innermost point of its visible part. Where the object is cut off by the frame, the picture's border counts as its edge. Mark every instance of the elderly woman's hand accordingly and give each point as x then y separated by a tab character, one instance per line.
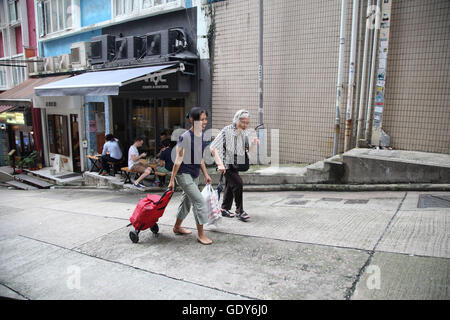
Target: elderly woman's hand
255	141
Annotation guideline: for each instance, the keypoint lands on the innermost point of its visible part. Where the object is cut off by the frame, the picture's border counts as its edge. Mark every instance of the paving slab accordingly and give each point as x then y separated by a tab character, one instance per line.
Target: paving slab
402	277
317	222
54	226
42	271
252	267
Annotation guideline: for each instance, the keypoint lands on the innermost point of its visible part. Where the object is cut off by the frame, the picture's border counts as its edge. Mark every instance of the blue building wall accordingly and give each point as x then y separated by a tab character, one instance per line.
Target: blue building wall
94	11
62	45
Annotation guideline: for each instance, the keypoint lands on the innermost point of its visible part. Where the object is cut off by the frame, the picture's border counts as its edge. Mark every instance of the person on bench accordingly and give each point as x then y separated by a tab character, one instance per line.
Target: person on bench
133	162
111	154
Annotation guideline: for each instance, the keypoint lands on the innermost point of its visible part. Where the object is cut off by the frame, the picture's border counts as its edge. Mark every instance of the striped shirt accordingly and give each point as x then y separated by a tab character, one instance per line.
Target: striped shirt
232	136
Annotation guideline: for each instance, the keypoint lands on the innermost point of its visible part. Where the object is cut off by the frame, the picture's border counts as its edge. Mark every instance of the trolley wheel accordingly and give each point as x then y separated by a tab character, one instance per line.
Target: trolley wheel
134	236
155	228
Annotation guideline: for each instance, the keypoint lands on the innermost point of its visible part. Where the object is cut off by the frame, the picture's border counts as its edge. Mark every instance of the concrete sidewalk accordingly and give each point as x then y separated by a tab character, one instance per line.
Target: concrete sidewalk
74	244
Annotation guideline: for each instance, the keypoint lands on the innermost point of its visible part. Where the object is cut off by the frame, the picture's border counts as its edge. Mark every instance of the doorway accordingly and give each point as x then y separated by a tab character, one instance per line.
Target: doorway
146	117
74	131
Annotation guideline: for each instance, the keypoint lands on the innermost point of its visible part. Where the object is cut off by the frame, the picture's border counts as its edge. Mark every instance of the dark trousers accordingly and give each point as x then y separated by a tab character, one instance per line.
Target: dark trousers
233	189
105	159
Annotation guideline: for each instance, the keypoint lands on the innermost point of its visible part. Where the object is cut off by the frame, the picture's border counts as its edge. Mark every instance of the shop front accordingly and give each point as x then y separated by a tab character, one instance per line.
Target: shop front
129	103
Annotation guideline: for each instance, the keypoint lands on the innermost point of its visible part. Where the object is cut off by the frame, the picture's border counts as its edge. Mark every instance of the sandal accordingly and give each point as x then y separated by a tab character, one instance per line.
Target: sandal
227	213
243	216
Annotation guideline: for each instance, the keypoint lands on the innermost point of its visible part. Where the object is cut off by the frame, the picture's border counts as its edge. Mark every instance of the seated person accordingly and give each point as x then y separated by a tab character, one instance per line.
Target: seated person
165	141
165	159
133	162
111	153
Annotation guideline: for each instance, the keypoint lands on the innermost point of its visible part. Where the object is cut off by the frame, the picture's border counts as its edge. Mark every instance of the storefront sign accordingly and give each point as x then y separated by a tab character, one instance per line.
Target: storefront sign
12	118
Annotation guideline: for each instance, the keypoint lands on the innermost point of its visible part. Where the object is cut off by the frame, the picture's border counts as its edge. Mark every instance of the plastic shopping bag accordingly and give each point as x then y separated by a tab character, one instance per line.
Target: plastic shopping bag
212	204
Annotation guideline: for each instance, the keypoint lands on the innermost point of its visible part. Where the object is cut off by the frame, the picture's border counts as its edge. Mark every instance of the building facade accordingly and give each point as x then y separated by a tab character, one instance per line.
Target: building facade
117	38
17	43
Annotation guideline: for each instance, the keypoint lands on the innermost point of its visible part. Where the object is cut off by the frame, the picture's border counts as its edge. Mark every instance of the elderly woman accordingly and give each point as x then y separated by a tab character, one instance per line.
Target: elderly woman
228	150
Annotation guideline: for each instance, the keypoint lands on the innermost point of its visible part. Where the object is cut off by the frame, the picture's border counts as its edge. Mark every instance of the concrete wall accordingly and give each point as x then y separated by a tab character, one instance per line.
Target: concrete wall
62	45
301	43
94	11
417	112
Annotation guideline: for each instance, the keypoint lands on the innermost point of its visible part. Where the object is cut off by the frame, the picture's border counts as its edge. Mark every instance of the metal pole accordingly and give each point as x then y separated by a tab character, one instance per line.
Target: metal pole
363	88
337	128
351	77
260	76
372	71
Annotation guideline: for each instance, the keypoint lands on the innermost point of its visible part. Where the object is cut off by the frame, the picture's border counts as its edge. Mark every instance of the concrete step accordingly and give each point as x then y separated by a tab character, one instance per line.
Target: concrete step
20	185
395	166
36	182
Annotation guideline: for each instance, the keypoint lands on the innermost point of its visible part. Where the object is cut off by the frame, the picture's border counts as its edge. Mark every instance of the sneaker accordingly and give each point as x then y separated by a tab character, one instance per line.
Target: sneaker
227	213
138	185
243	216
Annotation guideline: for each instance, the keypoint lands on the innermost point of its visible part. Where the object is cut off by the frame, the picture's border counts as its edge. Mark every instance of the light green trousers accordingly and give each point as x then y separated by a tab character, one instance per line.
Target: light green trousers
191	197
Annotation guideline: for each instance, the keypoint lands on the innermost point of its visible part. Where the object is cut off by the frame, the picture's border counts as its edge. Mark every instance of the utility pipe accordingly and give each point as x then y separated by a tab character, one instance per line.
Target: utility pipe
260	77
373	71
363	88
340	74
351	76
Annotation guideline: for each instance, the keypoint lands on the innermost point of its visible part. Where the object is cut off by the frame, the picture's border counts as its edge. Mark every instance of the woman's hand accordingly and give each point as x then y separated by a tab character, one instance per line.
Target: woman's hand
208	179
221	168
255	141
171	184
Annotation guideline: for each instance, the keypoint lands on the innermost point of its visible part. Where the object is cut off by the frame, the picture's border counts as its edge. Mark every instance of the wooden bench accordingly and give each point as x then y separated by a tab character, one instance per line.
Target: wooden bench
95	163
127	172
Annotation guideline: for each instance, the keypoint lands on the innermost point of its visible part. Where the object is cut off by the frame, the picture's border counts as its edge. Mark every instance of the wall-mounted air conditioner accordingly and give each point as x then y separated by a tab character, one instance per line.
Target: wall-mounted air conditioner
63	63
35	66
177	40
50	64
79	55
165	42
128	48
102	49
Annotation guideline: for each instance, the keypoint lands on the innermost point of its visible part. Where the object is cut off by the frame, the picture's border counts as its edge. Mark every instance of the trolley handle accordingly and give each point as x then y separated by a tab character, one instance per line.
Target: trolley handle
163	195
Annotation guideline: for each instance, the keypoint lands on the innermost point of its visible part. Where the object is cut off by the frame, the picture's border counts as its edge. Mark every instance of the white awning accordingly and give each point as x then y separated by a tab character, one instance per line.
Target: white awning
98	83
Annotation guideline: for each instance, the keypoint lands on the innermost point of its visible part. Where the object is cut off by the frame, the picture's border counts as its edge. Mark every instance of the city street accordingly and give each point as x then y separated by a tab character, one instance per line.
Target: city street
74	244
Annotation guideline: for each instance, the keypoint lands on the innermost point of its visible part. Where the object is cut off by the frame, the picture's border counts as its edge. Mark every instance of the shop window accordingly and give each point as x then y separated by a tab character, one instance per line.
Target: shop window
58	134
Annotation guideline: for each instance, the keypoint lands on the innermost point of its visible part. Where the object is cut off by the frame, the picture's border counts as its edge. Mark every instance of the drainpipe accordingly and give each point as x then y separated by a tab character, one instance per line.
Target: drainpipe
351	76
260	79
372	71
364	75
340	74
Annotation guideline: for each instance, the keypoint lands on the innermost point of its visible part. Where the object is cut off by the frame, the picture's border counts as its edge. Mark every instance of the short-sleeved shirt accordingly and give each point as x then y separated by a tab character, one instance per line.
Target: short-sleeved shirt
232	136
193	147
132	151
166	156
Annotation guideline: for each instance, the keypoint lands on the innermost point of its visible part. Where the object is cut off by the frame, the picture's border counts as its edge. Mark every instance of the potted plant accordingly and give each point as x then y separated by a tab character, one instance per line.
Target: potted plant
30	161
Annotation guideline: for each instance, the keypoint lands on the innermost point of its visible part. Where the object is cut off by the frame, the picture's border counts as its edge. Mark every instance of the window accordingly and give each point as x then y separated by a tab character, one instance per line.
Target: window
3	77
126	7
55	15
13	10
58	134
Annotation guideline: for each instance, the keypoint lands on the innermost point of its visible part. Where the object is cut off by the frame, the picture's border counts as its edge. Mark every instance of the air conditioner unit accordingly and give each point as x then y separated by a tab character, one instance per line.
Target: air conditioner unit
165	42
128	48
154	43
177	40
63	63
102	49
35	66
79	55
50	64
